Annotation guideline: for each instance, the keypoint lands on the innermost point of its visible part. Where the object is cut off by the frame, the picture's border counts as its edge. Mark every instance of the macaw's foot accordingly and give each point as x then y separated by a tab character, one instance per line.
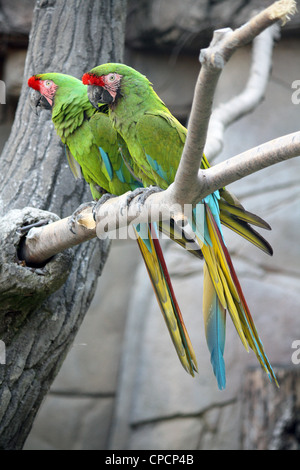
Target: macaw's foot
73	218
130	196
143	194
100	202
25	229
147	192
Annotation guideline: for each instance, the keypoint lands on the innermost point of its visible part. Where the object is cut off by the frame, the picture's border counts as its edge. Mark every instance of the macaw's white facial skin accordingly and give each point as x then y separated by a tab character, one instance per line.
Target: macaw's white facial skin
47	88
104	89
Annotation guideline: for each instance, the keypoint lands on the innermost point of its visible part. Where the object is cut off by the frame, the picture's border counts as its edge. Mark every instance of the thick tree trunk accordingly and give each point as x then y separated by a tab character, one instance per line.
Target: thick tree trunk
271	416
37	328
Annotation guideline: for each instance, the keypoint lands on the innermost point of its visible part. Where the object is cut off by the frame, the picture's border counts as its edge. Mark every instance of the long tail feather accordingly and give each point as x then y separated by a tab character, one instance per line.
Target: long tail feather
242	214
175	233
154	260
214	320
234	216
246	231
245	318
219	272
227	288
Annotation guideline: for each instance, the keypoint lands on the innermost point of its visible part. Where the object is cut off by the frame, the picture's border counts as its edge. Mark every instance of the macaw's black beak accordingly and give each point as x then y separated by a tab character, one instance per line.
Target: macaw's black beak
37	101
98	96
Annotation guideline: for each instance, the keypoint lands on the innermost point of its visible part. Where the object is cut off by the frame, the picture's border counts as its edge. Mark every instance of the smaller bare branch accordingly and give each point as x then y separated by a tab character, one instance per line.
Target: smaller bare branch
213	59
227	113
248	162
284	9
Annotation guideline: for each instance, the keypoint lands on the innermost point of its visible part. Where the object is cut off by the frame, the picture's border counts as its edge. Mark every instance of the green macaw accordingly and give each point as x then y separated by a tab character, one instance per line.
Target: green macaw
155	140
98	153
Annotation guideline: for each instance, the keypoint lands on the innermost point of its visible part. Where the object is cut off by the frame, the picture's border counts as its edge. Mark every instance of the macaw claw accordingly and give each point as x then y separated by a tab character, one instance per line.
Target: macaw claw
143	194
147	192
25	228
100	202
73	218
129	198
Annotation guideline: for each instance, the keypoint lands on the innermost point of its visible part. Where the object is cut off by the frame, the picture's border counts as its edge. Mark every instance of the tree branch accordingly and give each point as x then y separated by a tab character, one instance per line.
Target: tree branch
190	185
44	242
213	59
251	161
253	93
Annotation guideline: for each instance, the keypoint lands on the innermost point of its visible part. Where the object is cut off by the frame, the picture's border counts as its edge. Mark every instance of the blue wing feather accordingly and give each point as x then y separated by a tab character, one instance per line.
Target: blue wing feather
107	163
157	168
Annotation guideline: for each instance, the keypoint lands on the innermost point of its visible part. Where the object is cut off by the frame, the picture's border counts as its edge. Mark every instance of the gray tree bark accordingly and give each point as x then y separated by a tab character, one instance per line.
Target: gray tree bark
270	416
42	308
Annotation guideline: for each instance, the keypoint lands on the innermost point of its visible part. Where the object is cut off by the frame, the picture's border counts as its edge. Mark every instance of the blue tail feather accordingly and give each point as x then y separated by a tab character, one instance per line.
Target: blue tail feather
215	336
199	223
142	230
215	328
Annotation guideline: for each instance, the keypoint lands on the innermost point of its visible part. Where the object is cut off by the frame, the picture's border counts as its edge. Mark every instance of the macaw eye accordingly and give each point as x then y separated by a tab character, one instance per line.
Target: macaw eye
111	77
48	83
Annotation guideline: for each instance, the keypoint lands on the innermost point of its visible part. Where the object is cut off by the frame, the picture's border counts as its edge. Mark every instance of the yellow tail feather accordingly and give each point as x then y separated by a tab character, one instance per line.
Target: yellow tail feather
236	305
168	305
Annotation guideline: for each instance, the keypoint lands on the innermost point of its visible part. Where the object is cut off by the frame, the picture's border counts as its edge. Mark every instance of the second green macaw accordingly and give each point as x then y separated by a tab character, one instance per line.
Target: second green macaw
155	140
98	153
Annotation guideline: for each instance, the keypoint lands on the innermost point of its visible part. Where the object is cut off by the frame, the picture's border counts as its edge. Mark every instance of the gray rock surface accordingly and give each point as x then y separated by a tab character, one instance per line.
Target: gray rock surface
186	26
16	17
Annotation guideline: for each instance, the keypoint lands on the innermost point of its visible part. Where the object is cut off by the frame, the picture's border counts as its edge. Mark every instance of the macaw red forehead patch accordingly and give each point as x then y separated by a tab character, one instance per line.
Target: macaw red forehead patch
92	79
34	82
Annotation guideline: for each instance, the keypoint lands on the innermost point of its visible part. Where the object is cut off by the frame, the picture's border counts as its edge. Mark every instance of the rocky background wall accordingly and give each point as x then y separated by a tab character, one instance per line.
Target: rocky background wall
121	386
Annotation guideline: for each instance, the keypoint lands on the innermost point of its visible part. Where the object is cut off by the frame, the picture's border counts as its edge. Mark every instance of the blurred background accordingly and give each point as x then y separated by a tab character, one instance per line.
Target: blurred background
121	385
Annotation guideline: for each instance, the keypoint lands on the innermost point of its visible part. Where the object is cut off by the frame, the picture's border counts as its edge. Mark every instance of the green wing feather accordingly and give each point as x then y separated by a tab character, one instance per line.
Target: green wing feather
73	164
159	161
